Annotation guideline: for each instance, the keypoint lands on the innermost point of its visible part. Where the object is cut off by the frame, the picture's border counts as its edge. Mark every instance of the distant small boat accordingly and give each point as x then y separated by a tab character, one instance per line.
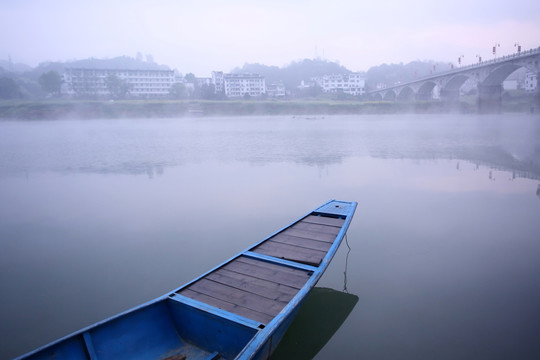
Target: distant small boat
238	310
195	110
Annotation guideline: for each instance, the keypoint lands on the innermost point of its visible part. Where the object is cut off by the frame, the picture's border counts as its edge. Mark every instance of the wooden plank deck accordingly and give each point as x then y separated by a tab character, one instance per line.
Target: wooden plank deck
324	220
251	288
294	253
303	242
306	242
228	306
314	235
259	289
324	229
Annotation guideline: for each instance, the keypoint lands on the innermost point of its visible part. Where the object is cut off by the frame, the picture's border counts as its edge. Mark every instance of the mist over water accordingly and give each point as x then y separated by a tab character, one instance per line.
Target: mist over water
98	216
151	145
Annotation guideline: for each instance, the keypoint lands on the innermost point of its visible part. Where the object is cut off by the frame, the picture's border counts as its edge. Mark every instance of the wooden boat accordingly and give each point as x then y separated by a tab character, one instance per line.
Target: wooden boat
238	310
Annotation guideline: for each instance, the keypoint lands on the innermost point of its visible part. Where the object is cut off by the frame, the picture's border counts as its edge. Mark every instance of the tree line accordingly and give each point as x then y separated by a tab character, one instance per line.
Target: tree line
46	79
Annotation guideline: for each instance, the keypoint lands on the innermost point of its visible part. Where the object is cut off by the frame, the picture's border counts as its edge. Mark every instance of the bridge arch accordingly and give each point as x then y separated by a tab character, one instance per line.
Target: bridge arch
425	92
497	76
456	82
377	97
390	96
450	91
490	89
406	94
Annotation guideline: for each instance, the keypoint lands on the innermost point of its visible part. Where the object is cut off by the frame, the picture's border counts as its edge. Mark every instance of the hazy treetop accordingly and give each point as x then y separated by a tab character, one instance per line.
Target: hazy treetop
292	74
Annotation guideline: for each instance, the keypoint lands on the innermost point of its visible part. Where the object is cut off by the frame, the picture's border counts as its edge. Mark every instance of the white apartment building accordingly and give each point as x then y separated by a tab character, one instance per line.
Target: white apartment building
276	90
217	80
352	84
203	81
238	85
140	83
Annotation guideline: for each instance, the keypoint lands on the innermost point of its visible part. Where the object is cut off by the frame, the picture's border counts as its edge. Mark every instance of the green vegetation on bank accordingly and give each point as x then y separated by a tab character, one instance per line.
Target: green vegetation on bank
80	109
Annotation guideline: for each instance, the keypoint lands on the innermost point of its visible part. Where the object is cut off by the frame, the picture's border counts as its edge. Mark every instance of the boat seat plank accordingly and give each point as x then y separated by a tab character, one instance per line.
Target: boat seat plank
266	271
291	252
302	242
276	267
237	296
251	284
282	288
228	306
324	220
326	229
290	272
308	234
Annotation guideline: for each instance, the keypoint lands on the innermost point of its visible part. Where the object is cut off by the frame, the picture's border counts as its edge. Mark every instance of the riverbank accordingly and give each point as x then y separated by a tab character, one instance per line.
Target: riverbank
81	109
78	109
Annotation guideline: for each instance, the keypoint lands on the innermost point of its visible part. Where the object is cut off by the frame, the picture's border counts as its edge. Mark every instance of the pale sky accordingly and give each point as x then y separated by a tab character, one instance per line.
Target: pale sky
203	35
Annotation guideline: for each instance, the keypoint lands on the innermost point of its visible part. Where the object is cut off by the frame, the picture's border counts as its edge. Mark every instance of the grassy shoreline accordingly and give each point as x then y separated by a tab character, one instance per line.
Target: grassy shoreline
81	109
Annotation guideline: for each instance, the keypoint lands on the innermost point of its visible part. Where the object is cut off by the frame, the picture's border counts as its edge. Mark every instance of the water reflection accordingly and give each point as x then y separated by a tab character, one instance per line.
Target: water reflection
319	318
505	142
321	315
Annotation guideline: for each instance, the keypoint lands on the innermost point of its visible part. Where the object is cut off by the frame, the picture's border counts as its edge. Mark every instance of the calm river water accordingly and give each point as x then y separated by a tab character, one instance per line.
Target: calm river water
444	262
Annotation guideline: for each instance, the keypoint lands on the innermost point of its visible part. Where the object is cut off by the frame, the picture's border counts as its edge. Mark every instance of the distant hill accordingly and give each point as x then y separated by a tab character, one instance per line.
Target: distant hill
390	74
294	73
121	62
387	74
9	66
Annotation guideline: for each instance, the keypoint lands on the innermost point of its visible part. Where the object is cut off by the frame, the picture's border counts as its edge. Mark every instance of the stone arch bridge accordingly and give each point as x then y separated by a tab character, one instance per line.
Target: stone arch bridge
487	76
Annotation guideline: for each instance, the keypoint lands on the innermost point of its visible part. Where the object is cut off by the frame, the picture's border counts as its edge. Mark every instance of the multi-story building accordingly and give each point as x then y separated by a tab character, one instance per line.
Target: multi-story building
306	85
238	85
276	90
352	84
136	83
203	81
217	80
